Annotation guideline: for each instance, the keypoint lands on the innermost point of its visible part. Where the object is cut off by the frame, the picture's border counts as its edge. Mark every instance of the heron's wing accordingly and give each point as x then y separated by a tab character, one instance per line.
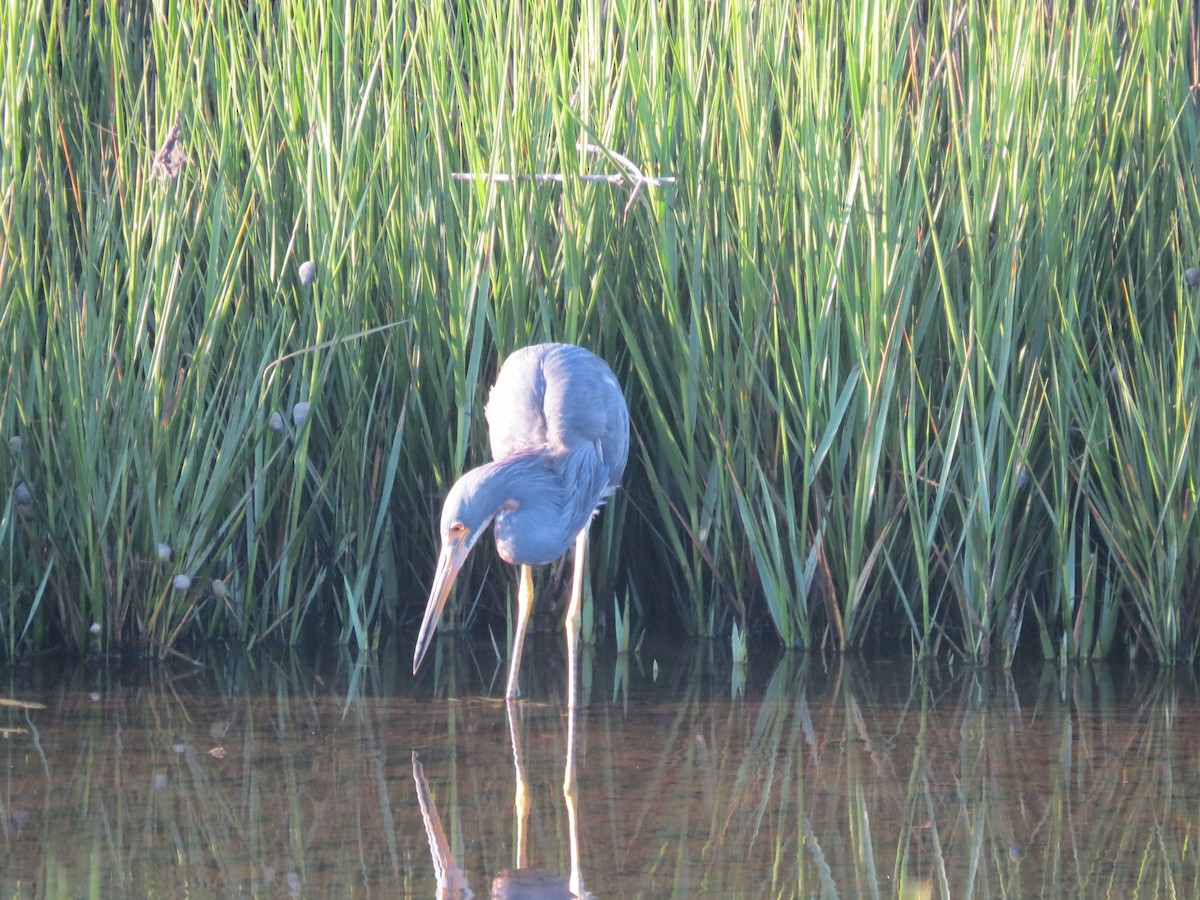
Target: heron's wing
584	408
559	398
515	409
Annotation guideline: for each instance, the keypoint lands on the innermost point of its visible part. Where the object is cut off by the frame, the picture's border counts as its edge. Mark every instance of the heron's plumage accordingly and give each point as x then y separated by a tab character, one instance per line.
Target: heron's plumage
536	501
559	430
559	398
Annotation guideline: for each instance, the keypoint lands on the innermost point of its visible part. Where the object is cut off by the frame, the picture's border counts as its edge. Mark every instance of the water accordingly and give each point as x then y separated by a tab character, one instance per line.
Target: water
316	775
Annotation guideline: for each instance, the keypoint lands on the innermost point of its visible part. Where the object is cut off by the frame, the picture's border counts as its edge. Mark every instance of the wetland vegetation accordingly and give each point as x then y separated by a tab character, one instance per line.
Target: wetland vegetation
902	297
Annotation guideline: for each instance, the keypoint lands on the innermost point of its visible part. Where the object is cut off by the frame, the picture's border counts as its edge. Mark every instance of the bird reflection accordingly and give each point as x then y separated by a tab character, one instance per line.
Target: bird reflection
522	880
451	882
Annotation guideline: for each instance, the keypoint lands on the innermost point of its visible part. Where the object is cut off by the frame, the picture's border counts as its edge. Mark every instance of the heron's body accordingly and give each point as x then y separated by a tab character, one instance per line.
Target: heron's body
559	430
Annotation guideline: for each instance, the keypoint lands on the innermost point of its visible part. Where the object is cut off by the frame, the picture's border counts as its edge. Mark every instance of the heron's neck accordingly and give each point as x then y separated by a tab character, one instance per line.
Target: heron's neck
542	501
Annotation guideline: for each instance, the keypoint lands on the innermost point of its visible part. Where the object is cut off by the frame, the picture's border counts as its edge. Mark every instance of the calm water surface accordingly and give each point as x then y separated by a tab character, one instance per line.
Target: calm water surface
317	774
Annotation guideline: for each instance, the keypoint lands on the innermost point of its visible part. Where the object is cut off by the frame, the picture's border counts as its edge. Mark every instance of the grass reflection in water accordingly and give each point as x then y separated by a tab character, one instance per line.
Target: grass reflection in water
329	776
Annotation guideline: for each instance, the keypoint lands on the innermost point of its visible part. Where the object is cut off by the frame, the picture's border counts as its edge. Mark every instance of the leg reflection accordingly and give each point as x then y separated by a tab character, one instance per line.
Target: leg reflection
521	881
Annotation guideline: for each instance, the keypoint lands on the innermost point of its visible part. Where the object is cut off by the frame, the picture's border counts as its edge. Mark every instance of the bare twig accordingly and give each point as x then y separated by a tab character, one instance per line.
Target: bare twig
333	342
552	177
632	175
557	178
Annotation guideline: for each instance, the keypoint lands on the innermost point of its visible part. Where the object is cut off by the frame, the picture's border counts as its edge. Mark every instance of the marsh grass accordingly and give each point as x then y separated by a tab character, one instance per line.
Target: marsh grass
907	342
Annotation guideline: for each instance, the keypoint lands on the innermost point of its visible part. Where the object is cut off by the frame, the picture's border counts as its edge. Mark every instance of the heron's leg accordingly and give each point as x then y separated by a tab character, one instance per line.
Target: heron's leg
524	607
572	620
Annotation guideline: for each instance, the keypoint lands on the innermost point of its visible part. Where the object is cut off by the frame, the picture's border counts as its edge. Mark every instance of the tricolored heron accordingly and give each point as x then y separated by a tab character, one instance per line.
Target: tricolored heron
559	430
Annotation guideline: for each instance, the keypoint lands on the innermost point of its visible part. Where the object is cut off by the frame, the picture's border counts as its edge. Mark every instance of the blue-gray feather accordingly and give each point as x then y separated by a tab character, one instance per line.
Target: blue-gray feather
559	430
559	398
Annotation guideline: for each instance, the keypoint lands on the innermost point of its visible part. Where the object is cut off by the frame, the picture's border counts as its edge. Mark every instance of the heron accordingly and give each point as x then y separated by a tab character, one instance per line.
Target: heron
559	429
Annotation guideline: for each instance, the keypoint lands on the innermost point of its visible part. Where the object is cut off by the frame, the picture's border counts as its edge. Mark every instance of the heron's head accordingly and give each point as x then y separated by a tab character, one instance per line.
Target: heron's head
474	501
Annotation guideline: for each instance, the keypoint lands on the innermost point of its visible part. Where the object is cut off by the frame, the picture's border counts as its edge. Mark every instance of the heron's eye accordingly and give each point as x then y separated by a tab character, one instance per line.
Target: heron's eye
458	529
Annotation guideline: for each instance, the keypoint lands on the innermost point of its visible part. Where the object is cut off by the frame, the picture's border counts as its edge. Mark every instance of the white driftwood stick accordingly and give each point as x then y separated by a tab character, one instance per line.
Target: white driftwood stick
556	178
633	175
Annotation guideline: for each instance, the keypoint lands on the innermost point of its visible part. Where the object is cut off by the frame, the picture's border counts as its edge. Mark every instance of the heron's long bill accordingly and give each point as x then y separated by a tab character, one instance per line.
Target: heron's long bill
454	553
